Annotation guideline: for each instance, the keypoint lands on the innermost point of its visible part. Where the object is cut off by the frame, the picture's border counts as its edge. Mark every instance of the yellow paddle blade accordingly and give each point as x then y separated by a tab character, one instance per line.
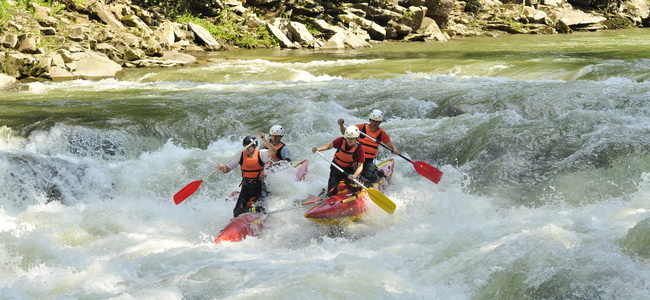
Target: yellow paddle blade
381	200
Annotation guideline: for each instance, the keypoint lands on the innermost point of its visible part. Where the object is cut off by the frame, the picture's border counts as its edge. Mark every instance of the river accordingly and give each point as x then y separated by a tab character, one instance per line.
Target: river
544	142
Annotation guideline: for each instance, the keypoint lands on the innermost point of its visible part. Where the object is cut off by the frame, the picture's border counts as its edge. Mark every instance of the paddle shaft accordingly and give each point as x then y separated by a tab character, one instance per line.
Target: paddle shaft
291	208
424	169
380	143
233	157
189	189
339	168
376	196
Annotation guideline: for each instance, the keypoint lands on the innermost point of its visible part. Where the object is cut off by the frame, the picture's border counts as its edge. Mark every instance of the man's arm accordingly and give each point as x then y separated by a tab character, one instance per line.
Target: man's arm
268	145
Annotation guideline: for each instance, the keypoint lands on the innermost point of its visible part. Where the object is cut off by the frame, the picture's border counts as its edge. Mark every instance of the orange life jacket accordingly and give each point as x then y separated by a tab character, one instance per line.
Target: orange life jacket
369	145
345	158
251	167
278	150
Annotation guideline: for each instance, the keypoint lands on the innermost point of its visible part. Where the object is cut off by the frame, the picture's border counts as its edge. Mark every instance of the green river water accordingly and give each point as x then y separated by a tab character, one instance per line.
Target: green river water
544	142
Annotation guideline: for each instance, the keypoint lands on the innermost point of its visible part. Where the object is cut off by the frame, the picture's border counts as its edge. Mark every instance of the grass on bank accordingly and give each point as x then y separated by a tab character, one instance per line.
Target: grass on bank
6	8
228	28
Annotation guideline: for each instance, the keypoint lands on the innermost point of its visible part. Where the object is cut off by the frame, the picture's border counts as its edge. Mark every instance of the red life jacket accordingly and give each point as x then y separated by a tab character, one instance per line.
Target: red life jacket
346	158
369	145
251	167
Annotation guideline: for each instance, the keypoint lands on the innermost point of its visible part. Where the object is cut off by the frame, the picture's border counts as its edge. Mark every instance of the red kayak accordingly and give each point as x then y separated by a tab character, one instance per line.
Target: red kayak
250	224
347	206
246	224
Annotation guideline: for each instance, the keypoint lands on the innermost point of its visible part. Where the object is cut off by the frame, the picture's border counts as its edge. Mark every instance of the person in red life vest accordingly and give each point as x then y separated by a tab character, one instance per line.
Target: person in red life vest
251	162
282	151
370	172
349	156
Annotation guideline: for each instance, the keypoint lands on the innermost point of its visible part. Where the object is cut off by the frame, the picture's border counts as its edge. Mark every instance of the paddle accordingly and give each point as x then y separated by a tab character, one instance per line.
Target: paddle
291	208
189	189
425	169
375	195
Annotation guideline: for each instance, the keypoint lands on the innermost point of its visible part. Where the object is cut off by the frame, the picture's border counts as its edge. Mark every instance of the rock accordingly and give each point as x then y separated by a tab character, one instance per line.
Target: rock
203	36
58	73
48	22
77	33
326	28
47	31
179	58
27	43
153	48
7	82
93	65
431	32
284	41
375	31
110	51
336	42
353	41
534	15
105	14
166	34
39	11
636	8
299	33
574	18
168	59
9	40
416	16
134	21
20	65
309	8
15	26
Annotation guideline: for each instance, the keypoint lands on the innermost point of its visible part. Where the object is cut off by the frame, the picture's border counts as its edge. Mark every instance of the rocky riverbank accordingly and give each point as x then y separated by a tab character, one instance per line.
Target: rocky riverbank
66	40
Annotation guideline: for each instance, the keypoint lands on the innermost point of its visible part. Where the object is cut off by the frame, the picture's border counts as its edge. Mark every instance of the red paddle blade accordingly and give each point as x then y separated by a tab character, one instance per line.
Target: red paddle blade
187	191
428	171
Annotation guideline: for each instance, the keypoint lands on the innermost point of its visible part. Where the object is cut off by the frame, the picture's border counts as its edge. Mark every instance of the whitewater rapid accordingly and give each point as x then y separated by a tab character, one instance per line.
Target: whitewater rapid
545	192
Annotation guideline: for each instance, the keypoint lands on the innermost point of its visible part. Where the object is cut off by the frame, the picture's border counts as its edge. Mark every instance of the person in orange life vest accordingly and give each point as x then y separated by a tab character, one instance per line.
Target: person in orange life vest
370	171
282	151
251	162
349	156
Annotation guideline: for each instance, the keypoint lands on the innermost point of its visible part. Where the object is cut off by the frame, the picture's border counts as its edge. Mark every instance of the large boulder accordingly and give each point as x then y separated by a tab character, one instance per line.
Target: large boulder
20	65
89	65
282	38
7	82
104	13
573	18
300	34
203	36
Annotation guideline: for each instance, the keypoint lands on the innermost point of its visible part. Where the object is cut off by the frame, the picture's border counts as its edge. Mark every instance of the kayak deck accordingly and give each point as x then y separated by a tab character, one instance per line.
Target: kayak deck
347	206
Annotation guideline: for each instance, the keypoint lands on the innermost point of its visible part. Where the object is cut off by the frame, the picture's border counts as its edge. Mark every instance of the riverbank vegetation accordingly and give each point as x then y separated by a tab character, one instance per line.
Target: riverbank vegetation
50	39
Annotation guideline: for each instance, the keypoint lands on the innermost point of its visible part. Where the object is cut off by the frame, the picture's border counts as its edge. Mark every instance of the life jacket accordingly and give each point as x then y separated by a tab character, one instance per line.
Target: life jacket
345	158
251	167
278	151
369	145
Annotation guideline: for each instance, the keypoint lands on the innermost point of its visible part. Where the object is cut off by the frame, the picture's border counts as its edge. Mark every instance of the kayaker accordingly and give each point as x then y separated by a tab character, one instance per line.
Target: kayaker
282	151
370	172
251	162
349	156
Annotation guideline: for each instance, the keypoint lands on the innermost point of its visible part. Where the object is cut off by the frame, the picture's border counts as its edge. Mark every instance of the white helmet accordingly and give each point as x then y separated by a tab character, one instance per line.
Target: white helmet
352	132
376	115
277	130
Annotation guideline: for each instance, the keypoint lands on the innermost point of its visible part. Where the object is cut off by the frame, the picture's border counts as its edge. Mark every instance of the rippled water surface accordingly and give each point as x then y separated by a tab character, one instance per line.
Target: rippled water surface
543	140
